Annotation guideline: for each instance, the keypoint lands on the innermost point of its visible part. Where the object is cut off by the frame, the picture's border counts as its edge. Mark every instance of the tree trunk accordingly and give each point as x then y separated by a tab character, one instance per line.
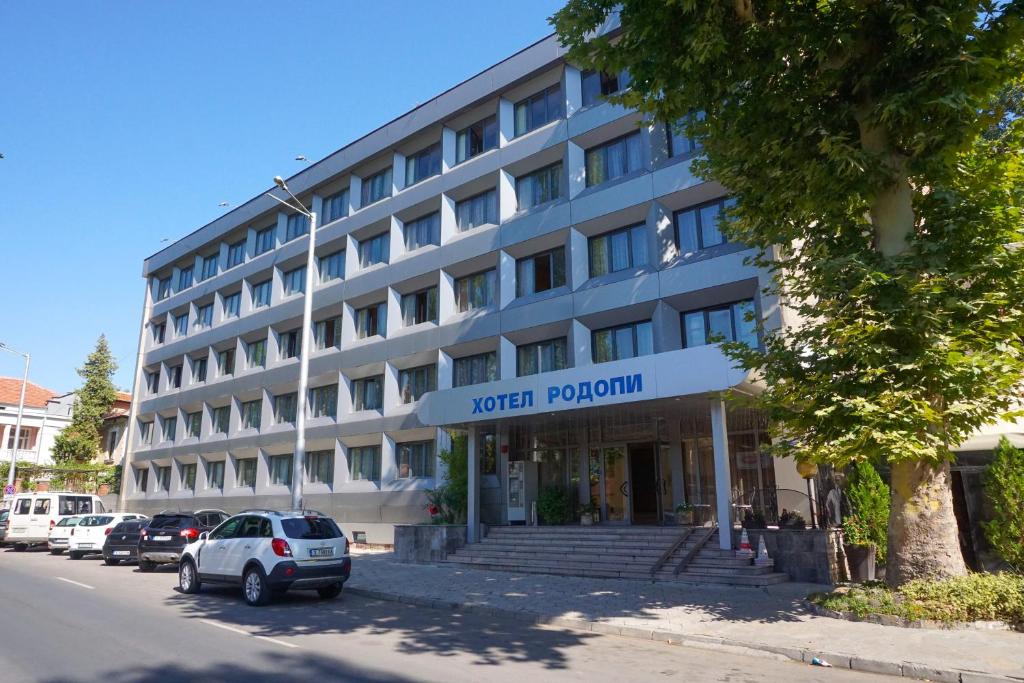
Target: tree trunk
923	538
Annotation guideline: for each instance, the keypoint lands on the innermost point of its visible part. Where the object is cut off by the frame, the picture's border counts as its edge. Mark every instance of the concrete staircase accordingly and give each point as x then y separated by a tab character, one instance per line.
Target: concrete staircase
626	552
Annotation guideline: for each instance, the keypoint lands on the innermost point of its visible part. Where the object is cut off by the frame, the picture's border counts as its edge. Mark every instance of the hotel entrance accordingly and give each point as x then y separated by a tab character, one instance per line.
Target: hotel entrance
626	483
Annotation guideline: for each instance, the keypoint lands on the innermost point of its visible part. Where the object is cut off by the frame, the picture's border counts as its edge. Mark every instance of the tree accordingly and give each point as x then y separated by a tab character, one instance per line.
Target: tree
1004	487
869	501
860	141
80	440
451	499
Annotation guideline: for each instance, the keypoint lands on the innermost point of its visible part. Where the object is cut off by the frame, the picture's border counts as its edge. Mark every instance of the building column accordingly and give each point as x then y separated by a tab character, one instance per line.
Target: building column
723	483
473	512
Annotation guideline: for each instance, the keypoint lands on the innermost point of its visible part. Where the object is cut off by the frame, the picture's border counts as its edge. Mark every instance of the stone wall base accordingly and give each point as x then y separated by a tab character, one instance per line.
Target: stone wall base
808	555
424	543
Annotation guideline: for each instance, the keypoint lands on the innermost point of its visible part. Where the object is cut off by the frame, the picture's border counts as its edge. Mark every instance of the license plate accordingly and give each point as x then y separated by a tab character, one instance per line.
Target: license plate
84	546
122	552
321	552
161	538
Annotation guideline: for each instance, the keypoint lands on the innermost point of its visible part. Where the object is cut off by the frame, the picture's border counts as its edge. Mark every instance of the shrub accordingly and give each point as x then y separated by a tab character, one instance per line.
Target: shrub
553	505
869	502
449	501
1004	486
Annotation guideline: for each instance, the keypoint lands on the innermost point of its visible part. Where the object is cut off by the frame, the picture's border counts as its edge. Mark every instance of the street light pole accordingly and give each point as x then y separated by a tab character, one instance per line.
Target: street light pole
21	411
299	458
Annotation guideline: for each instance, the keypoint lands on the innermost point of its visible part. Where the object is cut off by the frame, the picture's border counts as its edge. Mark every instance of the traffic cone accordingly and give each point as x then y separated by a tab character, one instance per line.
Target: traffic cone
762	559
745	551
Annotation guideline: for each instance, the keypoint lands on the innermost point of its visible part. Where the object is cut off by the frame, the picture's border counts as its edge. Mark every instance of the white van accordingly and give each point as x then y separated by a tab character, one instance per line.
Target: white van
33	515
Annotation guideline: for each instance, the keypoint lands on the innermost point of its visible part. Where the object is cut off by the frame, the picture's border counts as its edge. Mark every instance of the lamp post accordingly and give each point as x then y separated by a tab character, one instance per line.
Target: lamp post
299	458
21	411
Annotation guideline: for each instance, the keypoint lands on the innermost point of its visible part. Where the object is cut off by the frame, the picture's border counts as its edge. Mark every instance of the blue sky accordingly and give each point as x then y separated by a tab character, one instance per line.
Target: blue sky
123	124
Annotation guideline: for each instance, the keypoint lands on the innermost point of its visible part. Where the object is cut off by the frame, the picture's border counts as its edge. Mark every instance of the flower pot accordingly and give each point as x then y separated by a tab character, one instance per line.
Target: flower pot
103	490
586	519
684	518
862	562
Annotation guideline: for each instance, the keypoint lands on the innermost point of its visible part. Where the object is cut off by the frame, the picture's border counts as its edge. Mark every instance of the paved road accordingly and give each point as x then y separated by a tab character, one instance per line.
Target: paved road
77	621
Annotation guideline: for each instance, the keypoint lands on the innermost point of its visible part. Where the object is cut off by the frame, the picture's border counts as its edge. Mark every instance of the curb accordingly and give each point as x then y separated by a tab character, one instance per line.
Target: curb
838	660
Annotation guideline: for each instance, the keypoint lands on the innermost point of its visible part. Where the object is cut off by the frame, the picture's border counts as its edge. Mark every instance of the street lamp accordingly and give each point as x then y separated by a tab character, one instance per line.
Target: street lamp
299	458
21	411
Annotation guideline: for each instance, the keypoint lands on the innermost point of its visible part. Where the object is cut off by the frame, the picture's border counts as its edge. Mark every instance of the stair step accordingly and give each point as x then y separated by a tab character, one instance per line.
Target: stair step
554	563
646	560
655	550
723	571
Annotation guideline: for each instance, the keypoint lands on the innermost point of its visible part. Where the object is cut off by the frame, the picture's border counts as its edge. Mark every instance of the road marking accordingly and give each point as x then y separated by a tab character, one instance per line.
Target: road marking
276	642
246	633
83	585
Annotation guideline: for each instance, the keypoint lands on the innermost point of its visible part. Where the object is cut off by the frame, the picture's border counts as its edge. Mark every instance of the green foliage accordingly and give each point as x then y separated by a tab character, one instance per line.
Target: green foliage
80	440
19	468
1004	488
973	597
869	503
451	499
553	505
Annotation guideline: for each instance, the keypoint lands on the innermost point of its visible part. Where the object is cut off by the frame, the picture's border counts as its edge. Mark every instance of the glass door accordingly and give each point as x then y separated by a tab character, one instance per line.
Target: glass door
616	484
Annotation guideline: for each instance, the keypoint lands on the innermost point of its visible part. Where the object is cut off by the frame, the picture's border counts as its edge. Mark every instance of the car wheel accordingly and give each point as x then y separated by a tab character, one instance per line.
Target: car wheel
188	579
56	551
20	547
146	566
255	588
330	592
75	555
112	561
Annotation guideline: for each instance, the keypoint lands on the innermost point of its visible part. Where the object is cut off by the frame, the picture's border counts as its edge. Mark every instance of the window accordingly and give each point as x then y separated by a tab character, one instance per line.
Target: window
289	344
334	207
236	253
487	447
376	187
145	432
697	228
163	288
174	377
323	401
208	267
475	291
198	370
23	506
252	414
542	356
320	467
181	325
332	266
597	84
261	293
476	369
476	139
204	316
281	470
159	331
367	393
542	108
364	463
295	281
423	231
153	381
370	321
256	353
141	479
163	478
284	408
170	427
373	250
327	333
625	341
225	363
541	272
614	159
185	278
473	212
415	459
215	474
193	423
265	240
720	323
296	226
246	468
221	419
419	307
539	187
24	437
415	382
423	164
618	250
233	305
679	143
188	477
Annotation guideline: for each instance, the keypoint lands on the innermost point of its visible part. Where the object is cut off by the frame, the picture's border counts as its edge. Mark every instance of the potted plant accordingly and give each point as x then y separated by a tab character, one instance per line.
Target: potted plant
684	514
868	496
791	519
860	548
754	520
588	514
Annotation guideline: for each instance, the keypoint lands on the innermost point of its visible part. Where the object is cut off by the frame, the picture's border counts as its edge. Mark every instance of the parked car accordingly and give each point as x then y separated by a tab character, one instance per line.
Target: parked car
267	552
87	538
57	542
3	525
122	543
34	515
168	533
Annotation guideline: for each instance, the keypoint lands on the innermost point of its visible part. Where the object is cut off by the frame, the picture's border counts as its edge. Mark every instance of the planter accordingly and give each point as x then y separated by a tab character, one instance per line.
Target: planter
862	562
103	490
684	518
586	519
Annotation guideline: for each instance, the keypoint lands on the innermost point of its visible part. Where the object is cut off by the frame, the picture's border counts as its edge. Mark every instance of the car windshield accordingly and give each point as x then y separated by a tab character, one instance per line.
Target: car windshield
96	520
310	527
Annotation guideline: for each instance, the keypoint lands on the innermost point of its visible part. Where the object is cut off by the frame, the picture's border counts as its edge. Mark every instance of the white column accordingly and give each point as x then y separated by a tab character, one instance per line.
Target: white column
507	206
355	193
394	313
579	262
579	338
6	438
351	256
506	279
396	244
572	89
447	149
388	461
444	371
723	482
448	227
506	121
391	398
575	165
398	174
506	358
473	514
348	325
445	297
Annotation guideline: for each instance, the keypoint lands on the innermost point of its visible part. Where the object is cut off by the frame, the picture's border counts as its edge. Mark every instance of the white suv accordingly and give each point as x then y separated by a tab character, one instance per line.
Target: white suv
267	552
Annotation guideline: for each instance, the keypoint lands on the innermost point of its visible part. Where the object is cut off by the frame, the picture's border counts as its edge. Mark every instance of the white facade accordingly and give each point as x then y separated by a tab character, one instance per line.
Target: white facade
40	425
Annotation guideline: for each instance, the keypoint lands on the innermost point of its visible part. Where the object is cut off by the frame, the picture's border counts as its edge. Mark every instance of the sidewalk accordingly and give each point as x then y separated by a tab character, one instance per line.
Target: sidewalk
771	619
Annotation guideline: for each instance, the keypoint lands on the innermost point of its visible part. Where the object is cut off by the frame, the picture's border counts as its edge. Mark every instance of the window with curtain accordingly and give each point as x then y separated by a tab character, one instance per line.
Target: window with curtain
153	381
193	423
320	467
334	207
246	469
540	272
596	85
284	408
368	393
419	307
539	109
371	320
373	250
475	291
327	333
697	228
174	377
679	143
729	322
145	432
476	139
331	266
198	370
233	305
256	353
181	324
289	344
163	288
185	278
297	225
225	362
236	253
170	428
261	293
415	459
163	478
543	356
618	250
252	414
280	469
323	401
423	164
414	382
538	187
265	239
221	419
481	209
376	187
623	341
295	281
423	231
483	367
614	159
215	474
364	463
188	477
204	316
209	267
159	332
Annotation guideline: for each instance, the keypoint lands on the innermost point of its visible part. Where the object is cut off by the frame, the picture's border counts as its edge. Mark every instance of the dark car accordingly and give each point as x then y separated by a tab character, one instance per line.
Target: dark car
168	533
3	524
122	543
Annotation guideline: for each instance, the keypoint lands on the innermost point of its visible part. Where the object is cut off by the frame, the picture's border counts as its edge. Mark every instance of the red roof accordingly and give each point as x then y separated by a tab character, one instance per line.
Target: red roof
35	395
124	396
